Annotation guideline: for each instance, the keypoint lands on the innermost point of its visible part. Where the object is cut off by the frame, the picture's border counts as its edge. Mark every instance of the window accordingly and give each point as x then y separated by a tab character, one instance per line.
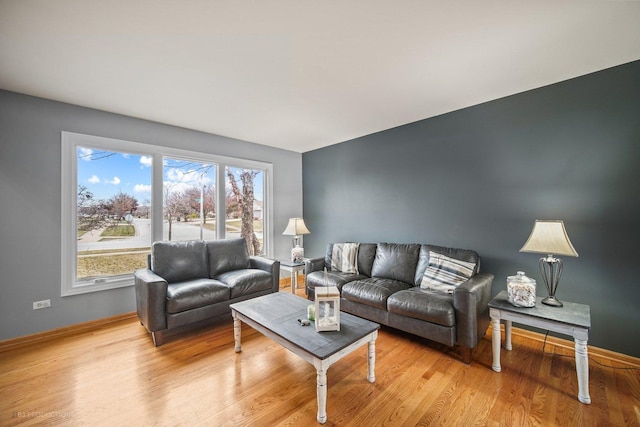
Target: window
113	209
189	200
120	196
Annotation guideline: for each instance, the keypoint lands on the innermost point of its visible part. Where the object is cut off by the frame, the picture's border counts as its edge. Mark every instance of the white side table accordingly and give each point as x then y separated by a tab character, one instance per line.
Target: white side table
572	319
293	268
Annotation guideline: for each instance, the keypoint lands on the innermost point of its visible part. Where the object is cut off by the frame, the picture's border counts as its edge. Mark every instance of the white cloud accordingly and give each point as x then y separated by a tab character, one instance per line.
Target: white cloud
189	178
85	153
179	175
114	181
176	187
94	179
146	161
142	188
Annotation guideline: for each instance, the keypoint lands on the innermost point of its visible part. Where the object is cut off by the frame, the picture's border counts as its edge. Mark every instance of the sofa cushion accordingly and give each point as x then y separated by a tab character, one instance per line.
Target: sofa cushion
246	281
396	261
333	278
445	273
182	296
179	261
372	291
430	306
366	256
344	257
227	255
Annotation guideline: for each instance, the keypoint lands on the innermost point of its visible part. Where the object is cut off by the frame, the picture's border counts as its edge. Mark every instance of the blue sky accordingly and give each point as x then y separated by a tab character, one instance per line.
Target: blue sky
106	173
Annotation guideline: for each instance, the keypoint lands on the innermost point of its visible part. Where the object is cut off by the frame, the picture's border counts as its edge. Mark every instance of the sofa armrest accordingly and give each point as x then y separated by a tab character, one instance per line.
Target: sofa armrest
269	265
313	264
151	299
471	304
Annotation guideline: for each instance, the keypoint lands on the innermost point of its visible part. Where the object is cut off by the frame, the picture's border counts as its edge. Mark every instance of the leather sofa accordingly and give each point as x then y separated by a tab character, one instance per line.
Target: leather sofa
194	282
388	287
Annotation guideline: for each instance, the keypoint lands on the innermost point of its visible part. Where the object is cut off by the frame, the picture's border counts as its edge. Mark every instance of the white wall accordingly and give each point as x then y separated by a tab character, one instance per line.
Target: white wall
30	236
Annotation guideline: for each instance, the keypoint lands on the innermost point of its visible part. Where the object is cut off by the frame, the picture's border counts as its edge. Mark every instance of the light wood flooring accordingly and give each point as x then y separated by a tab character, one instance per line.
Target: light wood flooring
114	376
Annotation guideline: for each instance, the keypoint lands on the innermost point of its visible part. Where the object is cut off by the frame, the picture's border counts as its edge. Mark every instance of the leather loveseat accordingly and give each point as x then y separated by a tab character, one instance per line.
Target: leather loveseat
195	281
408	287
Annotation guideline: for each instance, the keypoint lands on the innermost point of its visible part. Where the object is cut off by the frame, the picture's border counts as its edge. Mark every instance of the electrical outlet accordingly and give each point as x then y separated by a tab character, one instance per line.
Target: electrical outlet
45	303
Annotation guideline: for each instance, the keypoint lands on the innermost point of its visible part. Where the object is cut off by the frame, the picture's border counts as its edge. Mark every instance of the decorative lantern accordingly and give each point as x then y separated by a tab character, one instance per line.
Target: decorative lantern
327	312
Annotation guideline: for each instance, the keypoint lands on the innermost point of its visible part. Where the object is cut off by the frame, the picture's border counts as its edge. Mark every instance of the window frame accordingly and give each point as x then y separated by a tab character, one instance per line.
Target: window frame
70	141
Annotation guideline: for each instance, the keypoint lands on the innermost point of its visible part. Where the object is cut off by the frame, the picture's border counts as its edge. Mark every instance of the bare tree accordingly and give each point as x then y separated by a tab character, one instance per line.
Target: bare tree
92	214
144	210
232	204
175	205
193	197
245	198
121	204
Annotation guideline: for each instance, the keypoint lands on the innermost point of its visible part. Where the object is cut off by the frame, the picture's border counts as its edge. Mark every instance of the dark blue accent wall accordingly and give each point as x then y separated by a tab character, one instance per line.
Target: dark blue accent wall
478	178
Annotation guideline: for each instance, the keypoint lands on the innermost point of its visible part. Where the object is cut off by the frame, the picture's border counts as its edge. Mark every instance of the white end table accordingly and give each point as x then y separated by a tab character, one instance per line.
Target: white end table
571	319
293	268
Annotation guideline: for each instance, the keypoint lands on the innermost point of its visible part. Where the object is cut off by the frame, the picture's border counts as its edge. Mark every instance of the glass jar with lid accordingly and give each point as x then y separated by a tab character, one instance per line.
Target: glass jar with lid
521	290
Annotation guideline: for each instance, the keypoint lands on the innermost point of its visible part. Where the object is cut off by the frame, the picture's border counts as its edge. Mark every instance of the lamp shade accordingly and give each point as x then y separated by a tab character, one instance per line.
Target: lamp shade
549	237
296	227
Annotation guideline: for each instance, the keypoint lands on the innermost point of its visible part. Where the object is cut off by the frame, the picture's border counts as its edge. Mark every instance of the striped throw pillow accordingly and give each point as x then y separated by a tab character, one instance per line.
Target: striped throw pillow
444	273
344	257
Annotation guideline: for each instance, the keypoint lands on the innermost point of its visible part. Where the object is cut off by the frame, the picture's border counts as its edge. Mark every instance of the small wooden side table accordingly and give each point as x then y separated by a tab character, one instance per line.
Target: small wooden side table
572	319
293	268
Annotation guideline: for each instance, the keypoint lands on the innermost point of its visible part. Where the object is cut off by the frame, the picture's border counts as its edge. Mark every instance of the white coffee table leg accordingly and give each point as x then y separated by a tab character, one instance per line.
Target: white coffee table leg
322	395
495	339
237	329
582	368
294	281
372	360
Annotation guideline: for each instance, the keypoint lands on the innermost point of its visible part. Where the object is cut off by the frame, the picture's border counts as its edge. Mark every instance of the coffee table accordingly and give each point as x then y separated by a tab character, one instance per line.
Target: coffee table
276	316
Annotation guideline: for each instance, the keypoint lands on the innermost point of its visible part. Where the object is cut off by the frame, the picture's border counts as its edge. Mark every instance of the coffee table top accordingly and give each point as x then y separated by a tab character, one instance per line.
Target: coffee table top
279	312
571	313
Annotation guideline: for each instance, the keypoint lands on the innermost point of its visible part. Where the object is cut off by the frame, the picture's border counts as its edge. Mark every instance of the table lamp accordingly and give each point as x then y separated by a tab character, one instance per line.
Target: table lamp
550	237
296	228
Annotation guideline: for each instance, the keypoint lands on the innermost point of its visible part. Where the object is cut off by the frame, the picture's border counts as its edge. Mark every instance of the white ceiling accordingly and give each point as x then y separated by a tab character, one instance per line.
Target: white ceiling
303	74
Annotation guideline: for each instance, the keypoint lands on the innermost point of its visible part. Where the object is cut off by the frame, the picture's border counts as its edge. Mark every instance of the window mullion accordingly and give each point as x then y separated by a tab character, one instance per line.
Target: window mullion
157	198
221	207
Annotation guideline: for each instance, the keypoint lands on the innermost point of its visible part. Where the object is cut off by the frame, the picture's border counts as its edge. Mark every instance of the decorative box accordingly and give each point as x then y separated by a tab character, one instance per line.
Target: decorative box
521	290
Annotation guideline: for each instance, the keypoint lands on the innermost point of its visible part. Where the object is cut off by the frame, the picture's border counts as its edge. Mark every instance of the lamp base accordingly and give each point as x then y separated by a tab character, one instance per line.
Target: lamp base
552	301
551	269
